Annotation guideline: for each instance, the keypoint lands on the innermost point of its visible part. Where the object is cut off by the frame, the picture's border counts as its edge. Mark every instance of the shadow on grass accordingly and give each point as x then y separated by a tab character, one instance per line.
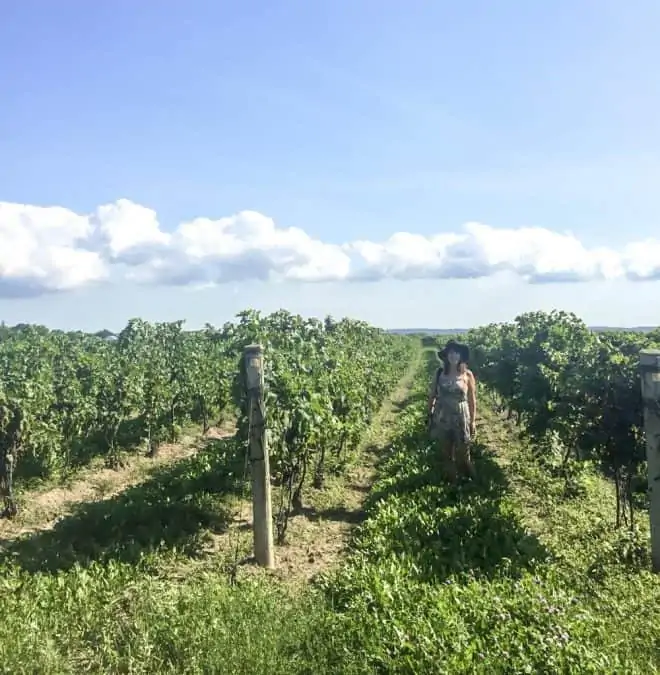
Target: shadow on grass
355	487
412	399
467	527
172	510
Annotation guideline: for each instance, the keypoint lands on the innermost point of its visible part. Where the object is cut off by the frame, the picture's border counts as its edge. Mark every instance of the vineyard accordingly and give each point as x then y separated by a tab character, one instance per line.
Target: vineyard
66	397
576	393
539	565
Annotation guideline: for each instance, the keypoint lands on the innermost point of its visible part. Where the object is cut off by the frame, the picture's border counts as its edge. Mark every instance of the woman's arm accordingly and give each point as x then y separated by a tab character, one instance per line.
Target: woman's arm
472	396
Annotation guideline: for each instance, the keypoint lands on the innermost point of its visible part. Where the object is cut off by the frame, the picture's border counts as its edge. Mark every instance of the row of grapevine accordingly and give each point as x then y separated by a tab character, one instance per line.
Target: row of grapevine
324	382
65	397
576	392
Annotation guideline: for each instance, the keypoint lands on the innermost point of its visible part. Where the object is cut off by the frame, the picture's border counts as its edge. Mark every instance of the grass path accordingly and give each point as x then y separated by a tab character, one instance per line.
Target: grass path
40	509
318	536
509	572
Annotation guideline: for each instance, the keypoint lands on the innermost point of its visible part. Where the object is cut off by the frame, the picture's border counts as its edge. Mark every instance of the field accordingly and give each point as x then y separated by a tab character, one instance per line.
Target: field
128	549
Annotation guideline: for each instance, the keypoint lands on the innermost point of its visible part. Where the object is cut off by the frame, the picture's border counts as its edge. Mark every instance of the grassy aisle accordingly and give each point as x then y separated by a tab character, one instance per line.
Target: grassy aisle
506	574
119	586
318	536
43	505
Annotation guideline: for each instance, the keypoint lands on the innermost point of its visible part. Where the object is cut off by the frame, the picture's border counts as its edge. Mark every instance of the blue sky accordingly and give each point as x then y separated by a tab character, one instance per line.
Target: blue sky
352	121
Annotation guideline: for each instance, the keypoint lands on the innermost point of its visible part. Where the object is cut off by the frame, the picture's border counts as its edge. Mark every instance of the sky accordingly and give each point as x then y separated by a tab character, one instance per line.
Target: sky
413	164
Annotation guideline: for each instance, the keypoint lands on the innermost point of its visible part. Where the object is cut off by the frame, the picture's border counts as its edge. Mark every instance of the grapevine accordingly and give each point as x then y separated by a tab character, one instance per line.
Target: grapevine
576	392
65	397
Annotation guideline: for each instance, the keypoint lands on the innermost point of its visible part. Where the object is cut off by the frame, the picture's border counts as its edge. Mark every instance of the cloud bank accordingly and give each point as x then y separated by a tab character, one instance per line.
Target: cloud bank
49	249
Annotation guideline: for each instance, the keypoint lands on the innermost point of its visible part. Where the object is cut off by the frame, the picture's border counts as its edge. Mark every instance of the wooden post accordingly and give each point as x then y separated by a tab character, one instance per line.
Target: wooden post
259	464
649	363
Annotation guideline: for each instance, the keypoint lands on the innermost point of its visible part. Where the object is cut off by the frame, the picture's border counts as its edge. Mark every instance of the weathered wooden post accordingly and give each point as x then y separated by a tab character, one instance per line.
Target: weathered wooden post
649	363
259	464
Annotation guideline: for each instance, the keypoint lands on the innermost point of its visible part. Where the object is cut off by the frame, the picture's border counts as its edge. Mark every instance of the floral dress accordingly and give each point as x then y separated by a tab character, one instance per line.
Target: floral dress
451	415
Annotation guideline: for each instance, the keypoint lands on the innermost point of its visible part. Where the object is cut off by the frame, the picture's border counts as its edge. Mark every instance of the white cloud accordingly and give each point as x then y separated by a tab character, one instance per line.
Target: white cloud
642	260
247	245
46	249
127	232
42	249
536	254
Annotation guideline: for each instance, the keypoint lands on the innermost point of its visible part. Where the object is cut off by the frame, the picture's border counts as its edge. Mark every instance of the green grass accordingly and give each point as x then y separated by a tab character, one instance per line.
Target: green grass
505	574
119	619
175	509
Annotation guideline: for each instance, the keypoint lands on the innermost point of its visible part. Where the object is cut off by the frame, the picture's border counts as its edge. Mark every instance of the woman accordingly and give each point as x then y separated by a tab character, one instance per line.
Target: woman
453	407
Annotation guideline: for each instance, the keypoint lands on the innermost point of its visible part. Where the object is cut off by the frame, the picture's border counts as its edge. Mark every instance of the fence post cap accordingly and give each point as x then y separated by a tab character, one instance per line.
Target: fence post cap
649	359
253	348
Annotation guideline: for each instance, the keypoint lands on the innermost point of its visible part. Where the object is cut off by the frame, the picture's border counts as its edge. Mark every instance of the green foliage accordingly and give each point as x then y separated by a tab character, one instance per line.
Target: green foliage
324	382
577	393
115	618
502	574
74	395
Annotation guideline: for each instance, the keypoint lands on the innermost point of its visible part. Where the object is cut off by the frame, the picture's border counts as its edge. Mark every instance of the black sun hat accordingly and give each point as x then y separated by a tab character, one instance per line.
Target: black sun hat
453	346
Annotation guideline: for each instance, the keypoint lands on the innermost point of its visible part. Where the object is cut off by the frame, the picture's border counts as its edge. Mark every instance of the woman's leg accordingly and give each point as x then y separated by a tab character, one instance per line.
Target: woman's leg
445	456
463	459
450	458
